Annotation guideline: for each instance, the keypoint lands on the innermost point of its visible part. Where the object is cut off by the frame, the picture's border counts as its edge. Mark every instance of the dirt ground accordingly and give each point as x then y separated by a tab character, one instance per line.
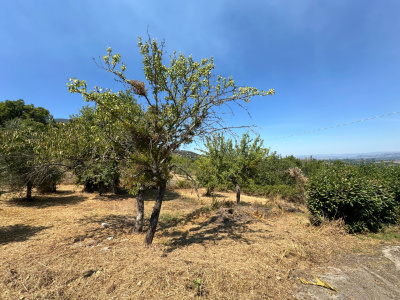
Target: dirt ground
57	248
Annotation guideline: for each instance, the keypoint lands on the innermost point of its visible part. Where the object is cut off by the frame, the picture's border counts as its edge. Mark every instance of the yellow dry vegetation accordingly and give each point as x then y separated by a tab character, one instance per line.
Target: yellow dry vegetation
56	247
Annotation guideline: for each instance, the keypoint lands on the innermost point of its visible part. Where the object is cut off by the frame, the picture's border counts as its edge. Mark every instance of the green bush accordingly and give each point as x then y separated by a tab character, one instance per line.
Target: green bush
286	192
345	192
391	177
184	184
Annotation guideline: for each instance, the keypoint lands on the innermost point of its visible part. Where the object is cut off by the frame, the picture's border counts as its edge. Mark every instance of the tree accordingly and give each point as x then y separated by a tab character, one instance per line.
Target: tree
82	145
10	110
22	128
19	167
226	162
183	103
213	165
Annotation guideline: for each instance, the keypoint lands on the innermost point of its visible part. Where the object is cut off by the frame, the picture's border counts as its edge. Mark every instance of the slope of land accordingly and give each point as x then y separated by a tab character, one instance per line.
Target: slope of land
57	248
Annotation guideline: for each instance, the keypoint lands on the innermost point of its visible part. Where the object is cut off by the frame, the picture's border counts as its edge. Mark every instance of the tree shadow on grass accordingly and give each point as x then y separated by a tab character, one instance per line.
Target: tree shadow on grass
216	195
19	233
203	233
149	195
64	193
115	197
116	225
47	201
226	223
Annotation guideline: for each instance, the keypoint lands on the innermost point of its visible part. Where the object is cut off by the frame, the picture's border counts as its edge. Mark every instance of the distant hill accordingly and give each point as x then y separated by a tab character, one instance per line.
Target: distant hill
190	154
386	156
61	120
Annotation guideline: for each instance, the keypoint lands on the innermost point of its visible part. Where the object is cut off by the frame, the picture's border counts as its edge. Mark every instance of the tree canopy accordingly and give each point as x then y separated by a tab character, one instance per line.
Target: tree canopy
10	110
183	103
225	162
19	168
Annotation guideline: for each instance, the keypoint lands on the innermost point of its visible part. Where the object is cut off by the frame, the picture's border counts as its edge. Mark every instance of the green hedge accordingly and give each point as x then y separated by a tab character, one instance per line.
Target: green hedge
364	202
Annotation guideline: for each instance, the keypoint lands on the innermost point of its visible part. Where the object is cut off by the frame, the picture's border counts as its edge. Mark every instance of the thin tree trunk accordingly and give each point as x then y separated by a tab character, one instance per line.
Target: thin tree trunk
101	187
237	190
115	186
29	191
154	215
140	209
237	193
54	187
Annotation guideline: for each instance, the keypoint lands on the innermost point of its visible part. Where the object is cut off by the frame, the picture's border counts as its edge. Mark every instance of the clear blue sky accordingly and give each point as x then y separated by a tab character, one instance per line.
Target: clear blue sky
330	62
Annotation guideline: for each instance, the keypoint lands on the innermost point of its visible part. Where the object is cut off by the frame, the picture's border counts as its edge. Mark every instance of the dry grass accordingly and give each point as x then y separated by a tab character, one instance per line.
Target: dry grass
56	248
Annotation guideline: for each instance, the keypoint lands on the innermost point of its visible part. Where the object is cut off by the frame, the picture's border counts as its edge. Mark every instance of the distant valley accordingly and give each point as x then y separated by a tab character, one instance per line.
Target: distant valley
386	156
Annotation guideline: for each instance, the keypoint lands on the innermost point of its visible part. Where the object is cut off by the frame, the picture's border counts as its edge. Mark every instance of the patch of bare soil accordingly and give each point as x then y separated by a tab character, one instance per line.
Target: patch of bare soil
57	248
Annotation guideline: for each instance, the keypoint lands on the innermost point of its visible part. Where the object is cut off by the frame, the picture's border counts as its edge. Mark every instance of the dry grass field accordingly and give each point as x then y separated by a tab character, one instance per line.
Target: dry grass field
56	247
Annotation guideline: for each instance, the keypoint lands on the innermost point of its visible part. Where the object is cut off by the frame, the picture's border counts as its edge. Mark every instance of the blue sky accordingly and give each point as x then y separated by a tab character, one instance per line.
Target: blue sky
330	62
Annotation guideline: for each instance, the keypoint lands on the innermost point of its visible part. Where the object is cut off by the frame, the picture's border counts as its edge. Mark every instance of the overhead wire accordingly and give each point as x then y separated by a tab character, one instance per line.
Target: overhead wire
334	126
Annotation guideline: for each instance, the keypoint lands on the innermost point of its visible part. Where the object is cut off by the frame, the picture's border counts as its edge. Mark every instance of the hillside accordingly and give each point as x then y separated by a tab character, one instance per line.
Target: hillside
190	154
59	120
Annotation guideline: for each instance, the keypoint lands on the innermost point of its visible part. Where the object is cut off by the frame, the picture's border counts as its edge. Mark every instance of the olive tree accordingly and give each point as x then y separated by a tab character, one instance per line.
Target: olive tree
180	100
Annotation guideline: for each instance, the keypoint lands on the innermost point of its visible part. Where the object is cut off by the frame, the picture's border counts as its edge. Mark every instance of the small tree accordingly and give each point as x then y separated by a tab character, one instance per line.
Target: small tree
183	103
213	166
224	162
19	167
83	145
22	130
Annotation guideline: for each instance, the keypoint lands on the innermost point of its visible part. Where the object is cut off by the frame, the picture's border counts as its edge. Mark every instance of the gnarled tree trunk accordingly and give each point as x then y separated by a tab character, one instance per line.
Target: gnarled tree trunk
29	191
155	214
140	209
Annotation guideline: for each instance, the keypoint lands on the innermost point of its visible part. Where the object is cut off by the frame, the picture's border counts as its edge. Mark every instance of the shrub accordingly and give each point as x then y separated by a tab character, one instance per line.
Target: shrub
49	184
184	184
343	192
286	192
391	176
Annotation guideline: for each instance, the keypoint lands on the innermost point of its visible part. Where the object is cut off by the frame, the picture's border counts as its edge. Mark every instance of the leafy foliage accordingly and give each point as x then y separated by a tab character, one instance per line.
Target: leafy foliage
259	172
19	166
10	110
183	103
225	163
82	145
354	194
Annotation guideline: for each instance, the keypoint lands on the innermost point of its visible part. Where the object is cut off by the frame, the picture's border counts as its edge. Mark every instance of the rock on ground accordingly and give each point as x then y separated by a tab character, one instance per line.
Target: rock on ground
357	277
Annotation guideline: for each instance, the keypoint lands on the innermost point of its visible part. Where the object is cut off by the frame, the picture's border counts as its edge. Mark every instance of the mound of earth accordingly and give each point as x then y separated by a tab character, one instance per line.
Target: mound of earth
239	215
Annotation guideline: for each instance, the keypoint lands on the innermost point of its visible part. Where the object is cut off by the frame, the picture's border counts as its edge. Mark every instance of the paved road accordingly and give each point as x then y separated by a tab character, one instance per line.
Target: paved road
358	277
